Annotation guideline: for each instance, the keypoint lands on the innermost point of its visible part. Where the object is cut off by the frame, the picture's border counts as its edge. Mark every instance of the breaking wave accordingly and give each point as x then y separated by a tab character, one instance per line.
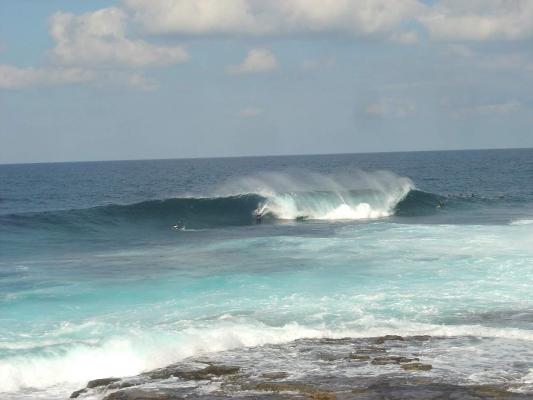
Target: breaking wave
272	196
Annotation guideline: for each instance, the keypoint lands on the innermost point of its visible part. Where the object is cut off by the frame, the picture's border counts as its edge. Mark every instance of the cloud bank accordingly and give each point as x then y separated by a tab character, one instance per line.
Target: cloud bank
122	36
444	20
480	20
100	38
271	17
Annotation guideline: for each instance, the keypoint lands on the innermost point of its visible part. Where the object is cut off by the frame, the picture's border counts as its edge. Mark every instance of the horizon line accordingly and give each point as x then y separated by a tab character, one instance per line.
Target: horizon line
265	156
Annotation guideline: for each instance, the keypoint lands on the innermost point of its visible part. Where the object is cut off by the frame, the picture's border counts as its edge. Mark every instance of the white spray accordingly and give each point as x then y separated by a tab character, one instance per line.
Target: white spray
353	196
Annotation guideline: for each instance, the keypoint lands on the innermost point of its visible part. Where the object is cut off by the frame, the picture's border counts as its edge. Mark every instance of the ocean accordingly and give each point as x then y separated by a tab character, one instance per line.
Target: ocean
116	269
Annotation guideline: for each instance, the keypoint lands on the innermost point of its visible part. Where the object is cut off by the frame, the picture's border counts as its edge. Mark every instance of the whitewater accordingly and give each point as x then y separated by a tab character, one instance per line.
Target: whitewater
154	266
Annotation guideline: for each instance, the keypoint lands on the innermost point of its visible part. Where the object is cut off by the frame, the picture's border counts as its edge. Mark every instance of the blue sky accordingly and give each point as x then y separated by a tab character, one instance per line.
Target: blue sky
132	79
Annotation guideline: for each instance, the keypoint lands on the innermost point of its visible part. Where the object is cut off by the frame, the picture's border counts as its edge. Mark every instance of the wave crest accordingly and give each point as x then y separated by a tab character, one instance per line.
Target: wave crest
359	195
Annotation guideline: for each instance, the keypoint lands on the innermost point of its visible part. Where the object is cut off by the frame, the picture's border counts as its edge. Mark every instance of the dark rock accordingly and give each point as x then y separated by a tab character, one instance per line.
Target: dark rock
420	338
195	375
359	357
417	367
310	391
391	390
138	394
122	385
94	384
210	378
77	393
275	375
101	382
392	360
383	339
329	357
371	350
210	371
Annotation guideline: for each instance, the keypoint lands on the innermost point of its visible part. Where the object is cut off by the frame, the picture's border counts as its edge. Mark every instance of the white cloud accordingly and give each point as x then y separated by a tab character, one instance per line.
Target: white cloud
480	19
24	78
100	38
250	112
391	107
18	78
271	17
256	61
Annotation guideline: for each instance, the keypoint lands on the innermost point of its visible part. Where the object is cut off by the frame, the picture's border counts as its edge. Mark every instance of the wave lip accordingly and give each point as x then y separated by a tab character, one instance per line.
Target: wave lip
361	195
346	205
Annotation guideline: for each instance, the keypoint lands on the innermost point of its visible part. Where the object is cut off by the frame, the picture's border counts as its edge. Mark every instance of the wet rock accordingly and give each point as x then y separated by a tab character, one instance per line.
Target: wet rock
210	371
77	393
343	378
392	360
122	384
329	357
310	391
196	375
383	339
371	350
139	394
94	384
417	367
163	373
275	375
490	392
359	357
101	382
420	338
431	391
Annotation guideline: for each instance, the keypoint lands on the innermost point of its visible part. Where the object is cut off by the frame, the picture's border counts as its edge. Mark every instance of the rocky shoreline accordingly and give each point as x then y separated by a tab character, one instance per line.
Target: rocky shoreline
387	367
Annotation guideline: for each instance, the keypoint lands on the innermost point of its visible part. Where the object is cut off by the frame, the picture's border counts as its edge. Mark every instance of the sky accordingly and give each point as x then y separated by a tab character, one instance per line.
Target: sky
137	79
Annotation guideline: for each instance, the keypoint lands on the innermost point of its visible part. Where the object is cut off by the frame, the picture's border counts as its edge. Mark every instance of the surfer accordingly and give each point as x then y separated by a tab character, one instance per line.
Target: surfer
180	226
258	217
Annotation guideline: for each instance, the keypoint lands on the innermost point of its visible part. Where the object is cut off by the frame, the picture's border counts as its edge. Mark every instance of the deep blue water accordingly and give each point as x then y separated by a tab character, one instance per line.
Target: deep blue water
112	268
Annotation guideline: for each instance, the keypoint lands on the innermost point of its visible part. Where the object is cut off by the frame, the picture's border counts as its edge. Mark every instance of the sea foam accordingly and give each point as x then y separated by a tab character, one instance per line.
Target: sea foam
75	365
354	196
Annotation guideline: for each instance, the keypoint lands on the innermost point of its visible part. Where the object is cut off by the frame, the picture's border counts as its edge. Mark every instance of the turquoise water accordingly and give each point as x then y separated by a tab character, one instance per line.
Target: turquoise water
111	269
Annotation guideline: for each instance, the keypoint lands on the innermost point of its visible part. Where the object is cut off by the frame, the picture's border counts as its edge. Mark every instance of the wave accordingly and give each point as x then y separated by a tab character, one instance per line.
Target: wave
193	213
274	197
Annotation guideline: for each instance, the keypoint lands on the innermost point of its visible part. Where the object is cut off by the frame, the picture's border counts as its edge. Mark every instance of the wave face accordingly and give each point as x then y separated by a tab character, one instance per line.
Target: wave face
274	196
199	212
